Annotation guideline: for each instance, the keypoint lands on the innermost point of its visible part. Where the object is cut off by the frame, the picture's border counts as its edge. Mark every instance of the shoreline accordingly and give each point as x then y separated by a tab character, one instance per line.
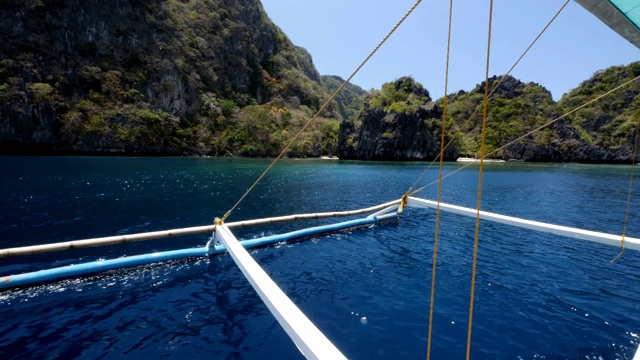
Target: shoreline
466	159
322	157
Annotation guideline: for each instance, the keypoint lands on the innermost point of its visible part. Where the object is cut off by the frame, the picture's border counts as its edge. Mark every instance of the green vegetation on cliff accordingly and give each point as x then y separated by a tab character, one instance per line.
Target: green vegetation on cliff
217	77
514	109
602	131
608	123
404	95
398	122
349	100
167	77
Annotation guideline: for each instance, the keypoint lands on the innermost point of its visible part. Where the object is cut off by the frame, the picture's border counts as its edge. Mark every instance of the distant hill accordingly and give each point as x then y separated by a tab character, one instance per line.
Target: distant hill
606	127
514	109
217	77
349	100
399	122
393	122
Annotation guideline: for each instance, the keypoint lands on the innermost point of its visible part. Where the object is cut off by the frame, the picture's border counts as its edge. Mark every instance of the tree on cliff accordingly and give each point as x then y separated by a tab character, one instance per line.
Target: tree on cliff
165	77
398	122
603	131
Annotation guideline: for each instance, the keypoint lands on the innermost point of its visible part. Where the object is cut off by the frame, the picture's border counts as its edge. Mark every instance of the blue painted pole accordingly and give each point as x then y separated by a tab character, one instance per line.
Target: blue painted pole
309	232
31	278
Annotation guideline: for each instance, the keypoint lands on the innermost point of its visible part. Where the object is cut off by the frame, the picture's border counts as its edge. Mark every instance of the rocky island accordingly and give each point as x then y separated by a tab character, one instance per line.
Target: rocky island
218	78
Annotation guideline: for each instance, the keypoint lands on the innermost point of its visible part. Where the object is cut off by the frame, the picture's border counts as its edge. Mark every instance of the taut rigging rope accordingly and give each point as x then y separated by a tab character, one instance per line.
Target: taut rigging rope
482	150
441	154
633	167
434	266
324	106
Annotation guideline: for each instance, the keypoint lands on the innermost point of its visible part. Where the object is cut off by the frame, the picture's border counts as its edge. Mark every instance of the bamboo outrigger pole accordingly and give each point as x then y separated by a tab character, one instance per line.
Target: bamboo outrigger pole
604	238
119	239
212	247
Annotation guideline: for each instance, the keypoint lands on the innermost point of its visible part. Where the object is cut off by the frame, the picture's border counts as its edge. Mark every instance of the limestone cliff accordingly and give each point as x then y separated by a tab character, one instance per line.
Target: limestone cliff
153	76
398	123
601	132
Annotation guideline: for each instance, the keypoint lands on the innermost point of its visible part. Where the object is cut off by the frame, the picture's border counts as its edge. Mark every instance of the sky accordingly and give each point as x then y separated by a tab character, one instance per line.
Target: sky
339	34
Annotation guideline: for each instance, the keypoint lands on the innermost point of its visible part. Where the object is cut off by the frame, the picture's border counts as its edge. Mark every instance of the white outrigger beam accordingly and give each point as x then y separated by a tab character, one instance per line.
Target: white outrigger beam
575	233
121	239
310	341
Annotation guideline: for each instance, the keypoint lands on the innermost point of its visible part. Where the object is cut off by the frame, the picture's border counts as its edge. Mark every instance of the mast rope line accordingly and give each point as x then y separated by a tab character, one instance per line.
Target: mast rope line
476	236
323	107
495	88
621	249
443	147
633	167
403	202
434	265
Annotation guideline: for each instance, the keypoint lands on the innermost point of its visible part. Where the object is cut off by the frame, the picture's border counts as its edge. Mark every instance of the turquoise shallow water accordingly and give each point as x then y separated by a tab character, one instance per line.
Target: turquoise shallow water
538	295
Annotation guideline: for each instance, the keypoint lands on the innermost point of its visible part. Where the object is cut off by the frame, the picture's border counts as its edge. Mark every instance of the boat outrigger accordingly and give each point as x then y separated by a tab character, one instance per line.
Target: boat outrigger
622	16
311	342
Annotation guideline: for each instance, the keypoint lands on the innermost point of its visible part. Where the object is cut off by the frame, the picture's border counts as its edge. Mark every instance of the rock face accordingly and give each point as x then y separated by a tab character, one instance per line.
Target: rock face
591	135
394	136
213	77
398	123
349	100
29	131
123	76
603	130
567	146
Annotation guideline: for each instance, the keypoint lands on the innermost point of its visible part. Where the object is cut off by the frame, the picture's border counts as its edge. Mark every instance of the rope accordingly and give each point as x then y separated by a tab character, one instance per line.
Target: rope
532	131
403	203
495	88
626	214
621	249
441	155
324	106
482	150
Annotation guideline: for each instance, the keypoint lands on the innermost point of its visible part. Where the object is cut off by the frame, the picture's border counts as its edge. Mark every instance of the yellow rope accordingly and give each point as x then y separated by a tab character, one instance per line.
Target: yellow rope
482	150
621	249
531	132
633	166
324	106
403	203
495	88
434	266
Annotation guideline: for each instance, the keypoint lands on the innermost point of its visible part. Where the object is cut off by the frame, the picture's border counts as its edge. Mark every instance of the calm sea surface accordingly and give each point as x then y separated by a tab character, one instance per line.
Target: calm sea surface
538	296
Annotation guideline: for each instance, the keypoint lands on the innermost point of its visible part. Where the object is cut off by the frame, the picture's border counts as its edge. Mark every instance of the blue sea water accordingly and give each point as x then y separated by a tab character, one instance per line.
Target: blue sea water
538	296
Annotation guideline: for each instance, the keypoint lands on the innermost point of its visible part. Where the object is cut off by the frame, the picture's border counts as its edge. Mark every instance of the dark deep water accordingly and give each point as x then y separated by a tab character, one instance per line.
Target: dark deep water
538	296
